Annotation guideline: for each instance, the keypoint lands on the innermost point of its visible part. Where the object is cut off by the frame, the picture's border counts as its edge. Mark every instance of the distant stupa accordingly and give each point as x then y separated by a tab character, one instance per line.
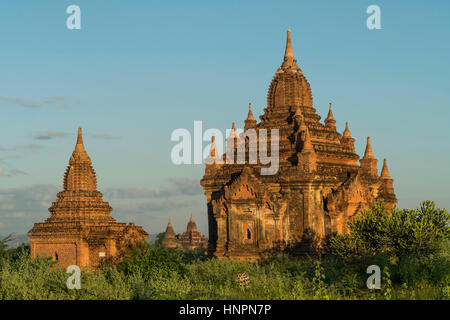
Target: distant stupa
80	230
190	239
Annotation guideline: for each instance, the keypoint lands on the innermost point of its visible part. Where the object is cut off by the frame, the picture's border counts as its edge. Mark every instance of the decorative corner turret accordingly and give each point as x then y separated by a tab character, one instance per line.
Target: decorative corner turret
368	162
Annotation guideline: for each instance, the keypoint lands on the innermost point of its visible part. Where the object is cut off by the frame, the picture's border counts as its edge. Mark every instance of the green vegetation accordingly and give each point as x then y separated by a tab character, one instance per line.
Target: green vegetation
411	247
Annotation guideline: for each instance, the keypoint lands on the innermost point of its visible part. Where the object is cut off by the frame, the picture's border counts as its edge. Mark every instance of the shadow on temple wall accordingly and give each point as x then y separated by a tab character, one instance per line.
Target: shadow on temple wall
310	245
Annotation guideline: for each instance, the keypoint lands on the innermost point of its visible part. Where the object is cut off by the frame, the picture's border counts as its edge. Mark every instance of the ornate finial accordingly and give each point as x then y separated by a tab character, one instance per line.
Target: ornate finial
170	223
233	133
250	113
289	53
368	154
213	157
347	133
330	118
79	146
385	171
191	219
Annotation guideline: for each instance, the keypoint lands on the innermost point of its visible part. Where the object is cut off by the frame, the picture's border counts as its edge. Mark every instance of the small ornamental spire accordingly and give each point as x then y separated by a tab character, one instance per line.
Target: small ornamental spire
79	146
307	144
250	122
330	113
347	133
169	224
233	133
213	151
191	226
385	171
368	154
250	113
213	157
329	121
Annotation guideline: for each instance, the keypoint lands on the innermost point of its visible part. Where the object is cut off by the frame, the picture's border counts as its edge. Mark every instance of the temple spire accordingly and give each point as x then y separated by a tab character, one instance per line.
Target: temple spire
79	146
250	122
289	60
368	154
250	113
233	133
329	121
368	162
347	133
289	53
385	171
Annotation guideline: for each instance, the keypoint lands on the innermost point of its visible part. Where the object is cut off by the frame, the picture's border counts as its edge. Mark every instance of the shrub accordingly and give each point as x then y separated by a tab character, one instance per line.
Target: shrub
148	260
418	232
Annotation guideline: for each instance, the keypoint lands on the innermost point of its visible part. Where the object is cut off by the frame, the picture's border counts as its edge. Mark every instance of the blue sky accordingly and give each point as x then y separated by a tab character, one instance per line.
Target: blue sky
137	70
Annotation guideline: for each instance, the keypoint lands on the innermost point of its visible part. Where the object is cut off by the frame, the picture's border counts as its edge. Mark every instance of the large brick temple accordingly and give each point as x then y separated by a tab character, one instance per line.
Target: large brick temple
318	187
80	230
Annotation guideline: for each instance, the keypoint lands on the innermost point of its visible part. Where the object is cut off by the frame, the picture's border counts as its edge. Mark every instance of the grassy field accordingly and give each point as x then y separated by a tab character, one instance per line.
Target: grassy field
412	249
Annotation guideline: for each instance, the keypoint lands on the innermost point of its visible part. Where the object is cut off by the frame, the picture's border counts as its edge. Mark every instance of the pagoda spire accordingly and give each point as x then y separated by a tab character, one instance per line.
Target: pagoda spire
368	162
289	60
347	133
329	121
169	238
385	171
368	154
191	226
213	157
288	53
307	159
79	146
347	139
388	184
250	122
79	174
233	132
250	113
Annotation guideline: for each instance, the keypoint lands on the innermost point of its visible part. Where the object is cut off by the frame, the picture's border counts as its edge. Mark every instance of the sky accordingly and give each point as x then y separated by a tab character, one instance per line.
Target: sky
138	70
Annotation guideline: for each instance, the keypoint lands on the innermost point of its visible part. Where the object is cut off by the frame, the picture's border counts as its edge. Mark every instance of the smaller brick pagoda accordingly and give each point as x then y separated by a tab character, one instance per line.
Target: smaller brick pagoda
80	230
190	239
